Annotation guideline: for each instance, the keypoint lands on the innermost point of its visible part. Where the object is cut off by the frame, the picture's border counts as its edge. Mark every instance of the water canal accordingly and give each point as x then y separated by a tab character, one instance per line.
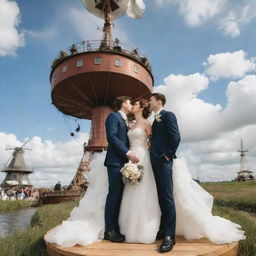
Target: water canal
12	221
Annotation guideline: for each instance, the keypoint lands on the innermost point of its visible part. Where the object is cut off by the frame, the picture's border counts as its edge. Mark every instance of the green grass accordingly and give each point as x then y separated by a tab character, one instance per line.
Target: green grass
240	195
248	223
6	206
30	241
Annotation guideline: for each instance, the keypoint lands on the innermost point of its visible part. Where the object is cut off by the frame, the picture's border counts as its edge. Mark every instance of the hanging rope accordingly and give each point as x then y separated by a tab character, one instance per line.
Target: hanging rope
71	131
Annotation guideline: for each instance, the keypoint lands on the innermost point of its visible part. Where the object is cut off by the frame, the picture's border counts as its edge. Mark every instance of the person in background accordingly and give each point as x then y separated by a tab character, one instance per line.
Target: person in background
57	186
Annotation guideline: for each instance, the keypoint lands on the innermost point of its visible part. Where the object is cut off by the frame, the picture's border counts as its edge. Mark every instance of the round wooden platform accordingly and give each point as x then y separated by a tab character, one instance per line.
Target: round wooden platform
183	247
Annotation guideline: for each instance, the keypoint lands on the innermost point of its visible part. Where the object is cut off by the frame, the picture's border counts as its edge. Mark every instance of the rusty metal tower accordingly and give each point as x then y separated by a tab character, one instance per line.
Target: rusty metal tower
88	76
244	172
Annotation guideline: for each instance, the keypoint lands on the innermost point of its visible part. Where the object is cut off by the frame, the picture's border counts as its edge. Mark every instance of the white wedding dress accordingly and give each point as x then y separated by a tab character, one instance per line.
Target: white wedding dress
139	216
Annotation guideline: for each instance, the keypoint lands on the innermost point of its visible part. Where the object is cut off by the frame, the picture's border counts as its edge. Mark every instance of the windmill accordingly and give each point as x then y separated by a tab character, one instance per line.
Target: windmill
244	172
17	172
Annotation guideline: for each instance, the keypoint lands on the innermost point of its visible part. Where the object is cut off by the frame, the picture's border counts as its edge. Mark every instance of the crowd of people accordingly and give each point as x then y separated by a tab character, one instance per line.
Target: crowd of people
25	193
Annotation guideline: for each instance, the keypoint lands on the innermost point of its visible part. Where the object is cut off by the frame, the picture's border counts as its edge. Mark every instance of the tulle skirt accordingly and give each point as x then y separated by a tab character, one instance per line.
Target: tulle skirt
139	214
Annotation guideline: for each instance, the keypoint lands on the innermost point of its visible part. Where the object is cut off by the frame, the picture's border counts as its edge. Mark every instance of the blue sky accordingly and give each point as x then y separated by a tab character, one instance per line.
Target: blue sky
179	36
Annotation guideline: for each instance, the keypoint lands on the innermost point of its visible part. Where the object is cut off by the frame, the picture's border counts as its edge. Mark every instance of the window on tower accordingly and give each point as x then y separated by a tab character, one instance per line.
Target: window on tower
118	63
64	69
136	69
79	63
97	60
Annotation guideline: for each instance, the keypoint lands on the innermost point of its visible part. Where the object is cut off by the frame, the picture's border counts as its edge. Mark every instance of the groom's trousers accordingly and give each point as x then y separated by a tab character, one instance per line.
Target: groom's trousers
164	182
114	199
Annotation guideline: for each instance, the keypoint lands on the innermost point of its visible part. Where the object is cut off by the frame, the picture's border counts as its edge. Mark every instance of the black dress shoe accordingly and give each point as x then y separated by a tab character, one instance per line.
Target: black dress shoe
121	235
167	244
160	235
114	237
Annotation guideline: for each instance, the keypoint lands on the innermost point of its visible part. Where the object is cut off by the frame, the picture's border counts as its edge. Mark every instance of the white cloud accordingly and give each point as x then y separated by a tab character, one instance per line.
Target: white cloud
238	17
229	65
10	38
45	34
241	104
197	119
218	159
230	25
229	16
200	120
51	161
197	12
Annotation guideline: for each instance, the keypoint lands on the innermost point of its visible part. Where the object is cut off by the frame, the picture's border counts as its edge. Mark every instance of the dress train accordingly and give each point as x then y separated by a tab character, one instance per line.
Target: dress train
193	205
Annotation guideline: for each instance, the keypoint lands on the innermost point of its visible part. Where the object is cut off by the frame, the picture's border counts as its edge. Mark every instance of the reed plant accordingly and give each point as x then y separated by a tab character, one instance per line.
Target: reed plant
6	206
247	222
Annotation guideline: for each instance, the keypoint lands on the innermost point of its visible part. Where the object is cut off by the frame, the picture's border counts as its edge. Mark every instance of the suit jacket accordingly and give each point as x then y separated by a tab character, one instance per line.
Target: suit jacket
165	136
118	142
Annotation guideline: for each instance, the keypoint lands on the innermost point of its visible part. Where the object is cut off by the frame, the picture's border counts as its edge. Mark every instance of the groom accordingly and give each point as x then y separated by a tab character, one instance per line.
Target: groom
164	143
117	155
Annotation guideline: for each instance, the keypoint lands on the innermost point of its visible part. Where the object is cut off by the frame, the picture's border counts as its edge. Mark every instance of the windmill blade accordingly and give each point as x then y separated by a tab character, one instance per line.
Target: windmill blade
25	143
8	160
118	7
135	9
9	148
27	148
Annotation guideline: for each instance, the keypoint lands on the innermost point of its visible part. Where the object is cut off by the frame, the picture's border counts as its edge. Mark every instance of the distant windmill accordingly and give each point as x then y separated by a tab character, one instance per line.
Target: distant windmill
244	172
17	171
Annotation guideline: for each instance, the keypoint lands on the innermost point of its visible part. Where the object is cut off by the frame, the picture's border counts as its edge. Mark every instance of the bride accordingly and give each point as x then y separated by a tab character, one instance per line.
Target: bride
140	215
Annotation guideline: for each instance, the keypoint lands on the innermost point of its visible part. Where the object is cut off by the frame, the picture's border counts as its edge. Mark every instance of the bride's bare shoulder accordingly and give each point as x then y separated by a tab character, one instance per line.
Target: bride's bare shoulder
147	123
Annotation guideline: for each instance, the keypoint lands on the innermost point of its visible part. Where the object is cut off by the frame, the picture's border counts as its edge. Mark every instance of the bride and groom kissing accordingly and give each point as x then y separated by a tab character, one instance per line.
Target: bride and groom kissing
166	202
132	211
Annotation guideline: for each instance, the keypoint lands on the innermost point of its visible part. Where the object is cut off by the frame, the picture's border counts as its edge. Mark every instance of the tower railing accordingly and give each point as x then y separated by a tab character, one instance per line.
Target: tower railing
102	45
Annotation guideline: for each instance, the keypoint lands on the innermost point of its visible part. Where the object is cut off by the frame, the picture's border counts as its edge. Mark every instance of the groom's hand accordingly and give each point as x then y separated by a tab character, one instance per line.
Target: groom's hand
133	157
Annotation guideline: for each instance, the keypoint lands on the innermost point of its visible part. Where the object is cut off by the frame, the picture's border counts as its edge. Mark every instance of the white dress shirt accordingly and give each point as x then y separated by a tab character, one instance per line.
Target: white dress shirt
124	116
158	112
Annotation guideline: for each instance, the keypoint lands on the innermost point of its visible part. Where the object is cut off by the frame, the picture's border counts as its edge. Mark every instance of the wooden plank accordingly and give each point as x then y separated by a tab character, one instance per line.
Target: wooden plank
183	247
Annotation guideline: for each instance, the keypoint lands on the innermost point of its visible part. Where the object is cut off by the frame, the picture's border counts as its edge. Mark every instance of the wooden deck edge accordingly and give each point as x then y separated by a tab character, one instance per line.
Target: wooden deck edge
54	250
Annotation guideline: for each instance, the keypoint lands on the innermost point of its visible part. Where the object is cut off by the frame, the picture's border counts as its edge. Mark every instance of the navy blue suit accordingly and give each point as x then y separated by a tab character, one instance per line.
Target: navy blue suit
165	141
118	146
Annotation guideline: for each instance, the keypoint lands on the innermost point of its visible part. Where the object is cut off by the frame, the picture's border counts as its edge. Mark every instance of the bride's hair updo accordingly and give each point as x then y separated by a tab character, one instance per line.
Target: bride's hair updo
145	105
146	108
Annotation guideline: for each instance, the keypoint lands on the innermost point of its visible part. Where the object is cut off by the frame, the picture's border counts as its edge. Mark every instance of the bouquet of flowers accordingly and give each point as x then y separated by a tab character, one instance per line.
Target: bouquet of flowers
132	173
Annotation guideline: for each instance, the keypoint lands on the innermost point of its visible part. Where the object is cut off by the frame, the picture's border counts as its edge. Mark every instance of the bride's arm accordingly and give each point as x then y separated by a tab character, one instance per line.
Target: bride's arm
148	128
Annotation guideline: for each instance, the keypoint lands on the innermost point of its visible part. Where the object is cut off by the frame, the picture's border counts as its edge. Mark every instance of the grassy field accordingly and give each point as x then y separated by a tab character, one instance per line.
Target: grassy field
30	241
6	206
240	195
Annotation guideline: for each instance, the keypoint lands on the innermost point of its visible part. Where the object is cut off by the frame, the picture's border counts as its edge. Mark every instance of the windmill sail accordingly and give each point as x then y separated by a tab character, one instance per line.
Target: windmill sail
133	8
